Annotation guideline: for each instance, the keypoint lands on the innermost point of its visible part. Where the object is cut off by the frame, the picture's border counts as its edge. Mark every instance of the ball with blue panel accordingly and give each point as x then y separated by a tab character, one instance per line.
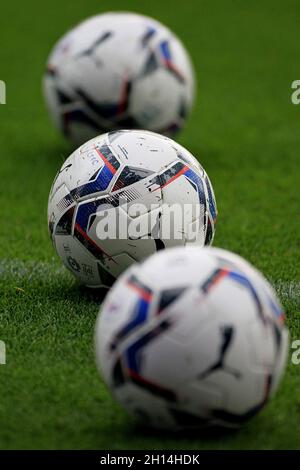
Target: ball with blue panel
123	196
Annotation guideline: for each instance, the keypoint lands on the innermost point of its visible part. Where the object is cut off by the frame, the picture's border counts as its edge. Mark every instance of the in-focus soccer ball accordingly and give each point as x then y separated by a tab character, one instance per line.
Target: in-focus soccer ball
192	337
124	195
115	71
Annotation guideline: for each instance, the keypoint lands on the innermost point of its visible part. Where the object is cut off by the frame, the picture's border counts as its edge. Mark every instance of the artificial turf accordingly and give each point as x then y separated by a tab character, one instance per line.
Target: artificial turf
244	130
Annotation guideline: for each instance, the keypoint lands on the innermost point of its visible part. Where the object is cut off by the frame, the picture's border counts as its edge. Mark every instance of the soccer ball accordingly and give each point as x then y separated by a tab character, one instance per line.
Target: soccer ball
124	195
192	337
118	70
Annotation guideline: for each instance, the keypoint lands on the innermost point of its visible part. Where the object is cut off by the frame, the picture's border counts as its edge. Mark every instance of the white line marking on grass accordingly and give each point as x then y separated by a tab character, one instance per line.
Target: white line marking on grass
287	289
18	270
25	270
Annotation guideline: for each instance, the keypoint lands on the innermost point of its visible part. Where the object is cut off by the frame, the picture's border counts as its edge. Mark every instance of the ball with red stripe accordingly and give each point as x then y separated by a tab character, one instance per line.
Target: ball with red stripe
192	337
118	70
124	195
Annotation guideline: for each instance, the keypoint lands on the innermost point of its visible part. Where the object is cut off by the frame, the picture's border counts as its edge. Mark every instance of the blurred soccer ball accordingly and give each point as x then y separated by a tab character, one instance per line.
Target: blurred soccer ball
192	337
118	70
121	197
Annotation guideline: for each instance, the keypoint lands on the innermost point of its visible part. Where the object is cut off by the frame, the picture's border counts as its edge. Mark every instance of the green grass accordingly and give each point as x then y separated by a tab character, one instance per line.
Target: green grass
245	132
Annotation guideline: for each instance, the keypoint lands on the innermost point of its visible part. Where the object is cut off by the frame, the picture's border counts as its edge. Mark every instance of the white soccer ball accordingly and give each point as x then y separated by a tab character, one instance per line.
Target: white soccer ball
124	195
118	70
192	337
